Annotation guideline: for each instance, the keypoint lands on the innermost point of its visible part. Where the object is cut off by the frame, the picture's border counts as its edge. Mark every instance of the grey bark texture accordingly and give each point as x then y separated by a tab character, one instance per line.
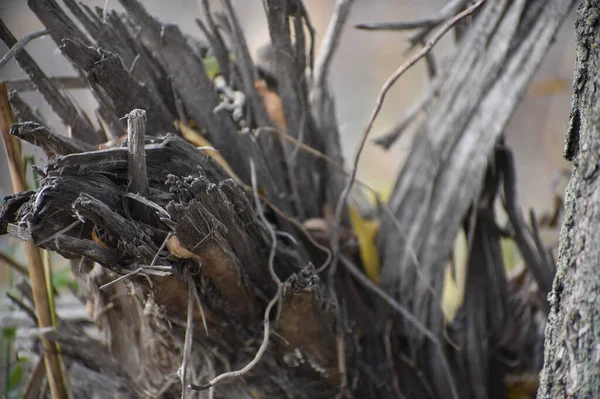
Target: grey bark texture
572	347
183	249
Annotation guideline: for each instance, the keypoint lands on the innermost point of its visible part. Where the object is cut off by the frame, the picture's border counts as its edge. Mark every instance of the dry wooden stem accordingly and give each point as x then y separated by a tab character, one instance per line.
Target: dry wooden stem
64	108
53	143
136	158
62	83
331	41
54	366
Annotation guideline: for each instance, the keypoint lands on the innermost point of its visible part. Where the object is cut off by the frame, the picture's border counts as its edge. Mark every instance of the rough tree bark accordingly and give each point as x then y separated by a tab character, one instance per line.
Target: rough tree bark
572	351
197	262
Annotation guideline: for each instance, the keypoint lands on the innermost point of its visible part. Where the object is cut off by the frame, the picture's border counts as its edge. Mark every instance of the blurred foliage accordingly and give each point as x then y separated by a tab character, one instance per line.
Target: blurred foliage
62	279
14	372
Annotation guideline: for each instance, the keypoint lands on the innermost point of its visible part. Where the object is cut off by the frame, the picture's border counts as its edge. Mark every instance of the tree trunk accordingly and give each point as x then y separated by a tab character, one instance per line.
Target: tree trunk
573	332
203	238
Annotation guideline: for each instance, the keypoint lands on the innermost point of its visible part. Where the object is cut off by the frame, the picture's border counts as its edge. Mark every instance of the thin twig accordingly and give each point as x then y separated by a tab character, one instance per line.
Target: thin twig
299	225
307	148
199	302
537	238
61	83
419	374
535	261
189	333
430	62
387	342
216	40
134	63
20	303
13	263
14	50
245	65
387	85
331	41
162	246
404	312
104	10
145	268
396	26
266	321
59	232
311	33
449	10
123	277
387	139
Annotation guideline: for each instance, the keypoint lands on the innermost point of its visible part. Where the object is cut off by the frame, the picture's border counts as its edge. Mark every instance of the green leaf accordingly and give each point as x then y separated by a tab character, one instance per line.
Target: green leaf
9	333
16	378
211	65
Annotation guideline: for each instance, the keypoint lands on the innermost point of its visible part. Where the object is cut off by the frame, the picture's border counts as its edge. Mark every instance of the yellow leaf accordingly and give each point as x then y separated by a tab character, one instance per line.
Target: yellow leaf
455	279
272	102
195	138
366	231
177	249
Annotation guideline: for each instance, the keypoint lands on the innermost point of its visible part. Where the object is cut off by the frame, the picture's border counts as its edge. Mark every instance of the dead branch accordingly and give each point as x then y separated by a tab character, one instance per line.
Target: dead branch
115	87
20	45
51	142
70	115
136	157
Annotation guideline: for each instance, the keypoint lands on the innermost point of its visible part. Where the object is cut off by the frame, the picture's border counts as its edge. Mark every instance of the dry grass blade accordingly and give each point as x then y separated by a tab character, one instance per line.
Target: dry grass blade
54	366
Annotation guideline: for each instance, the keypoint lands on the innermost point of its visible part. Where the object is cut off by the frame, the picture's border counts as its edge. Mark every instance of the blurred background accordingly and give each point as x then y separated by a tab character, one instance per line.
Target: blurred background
362	63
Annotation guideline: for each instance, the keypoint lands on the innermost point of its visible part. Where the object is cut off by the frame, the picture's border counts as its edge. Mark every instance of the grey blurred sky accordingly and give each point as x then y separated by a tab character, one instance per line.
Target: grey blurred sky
363	62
